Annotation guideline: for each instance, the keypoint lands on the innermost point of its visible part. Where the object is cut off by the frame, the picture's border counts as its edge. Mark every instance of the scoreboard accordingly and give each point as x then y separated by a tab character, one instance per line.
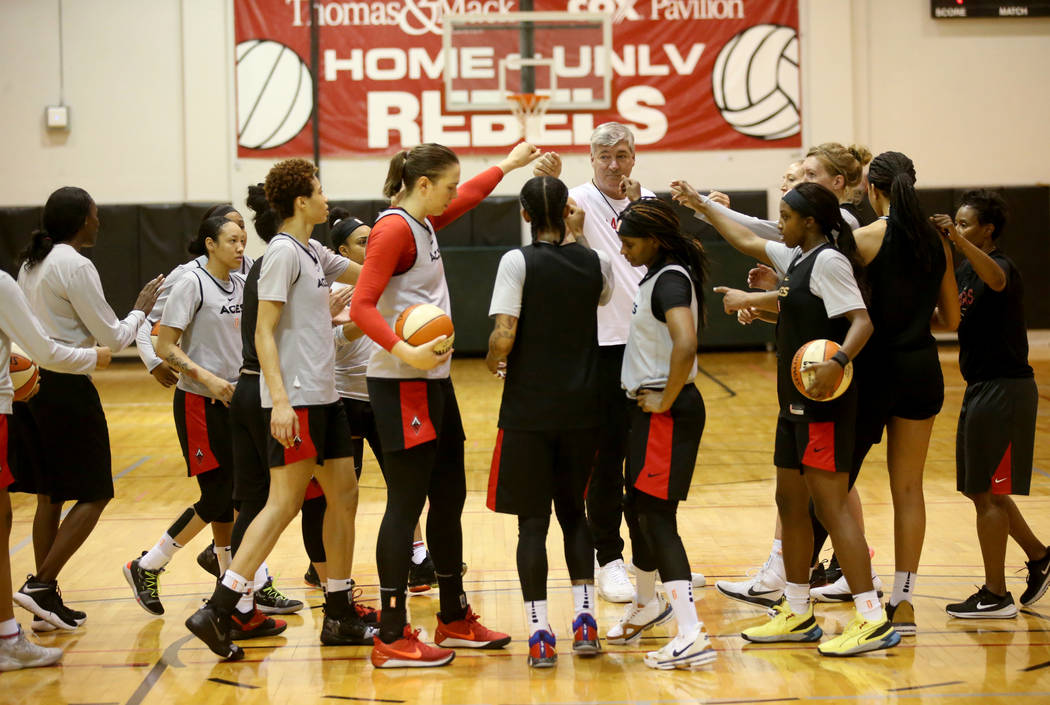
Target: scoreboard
955	9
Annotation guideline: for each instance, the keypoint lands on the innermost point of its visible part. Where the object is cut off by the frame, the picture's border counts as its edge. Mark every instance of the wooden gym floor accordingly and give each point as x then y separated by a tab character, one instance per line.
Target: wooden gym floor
123	655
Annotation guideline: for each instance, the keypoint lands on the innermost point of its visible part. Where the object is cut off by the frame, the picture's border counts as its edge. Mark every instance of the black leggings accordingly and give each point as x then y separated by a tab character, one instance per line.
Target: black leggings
313	528
532	548
653	524
216	502
605	491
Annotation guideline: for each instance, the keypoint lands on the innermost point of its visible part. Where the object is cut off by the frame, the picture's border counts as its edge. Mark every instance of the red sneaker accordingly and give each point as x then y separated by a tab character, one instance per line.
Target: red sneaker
368	615
255	626
468	633
409	652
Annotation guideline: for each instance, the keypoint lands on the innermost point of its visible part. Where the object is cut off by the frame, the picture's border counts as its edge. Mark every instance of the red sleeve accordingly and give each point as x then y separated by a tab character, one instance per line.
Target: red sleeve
469	194
388	243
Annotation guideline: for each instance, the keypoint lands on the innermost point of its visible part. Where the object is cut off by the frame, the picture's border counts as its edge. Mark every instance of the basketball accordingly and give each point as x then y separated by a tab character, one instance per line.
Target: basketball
811	353
153	334
755	82
422	323
24	373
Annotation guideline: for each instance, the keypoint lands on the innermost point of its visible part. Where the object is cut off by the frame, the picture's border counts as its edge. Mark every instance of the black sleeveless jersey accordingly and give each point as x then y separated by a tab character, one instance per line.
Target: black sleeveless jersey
249	315
803	318
552	370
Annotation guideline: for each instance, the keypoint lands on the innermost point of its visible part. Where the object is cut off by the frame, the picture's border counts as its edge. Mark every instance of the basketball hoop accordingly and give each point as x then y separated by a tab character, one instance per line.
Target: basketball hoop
529	109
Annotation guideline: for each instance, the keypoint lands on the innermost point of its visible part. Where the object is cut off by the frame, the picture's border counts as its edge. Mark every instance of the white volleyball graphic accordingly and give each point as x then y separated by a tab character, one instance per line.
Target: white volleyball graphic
756	82
274	94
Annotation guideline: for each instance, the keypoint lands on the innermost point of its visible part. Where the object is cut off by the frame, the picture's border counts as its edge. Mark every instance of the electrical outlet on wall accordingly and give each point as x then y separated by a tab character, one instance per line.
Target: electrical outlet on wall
57	117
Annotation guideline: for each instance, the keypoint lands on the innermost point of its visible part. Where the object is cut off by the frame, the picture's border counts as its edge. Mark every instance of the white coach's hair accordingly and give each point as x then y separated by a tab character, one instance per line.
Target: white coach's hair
609	133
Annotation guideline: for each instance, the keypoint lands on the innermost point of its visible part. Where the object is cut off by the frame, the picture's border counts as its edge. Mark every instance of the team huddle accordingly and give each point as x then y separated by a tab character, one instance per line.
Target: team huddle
283	366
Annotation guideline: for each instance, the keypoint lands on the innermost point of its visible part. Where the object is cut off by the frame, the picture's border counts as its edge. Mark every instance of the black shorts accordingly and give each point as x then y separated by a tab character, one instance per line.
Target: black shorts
903	384
324	435
61	446
824	445
408	412
996	435
662	448
6	478
203	427
249	432
360	416
530	468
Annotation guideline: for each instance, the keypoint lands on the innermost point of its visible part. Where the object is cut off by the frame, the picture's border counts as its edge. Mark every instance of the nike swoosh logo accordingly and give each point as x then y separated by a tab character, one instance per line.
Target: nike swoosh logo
469	636
751	591
982	606
218	633
820	450
1001	479
652	474
676	654
414	653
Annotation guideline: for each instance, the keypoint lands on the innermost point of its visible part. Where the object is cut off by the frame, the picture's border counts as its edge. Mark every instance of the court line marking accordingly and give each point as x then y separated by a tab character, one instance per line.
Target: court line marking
717	381
25	542
1036	667
223	681
1041	472
917	687
367	700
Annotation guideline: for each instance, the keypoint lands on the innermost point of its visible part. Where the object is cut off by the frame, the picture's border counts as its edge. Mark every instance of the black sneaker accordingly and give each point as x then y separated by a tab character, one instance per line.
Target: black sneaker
833	572
818	577
1038	579
270	600
144	586
348	631
421	576
254	625
208	560
984	604
214	628
311	578
43	600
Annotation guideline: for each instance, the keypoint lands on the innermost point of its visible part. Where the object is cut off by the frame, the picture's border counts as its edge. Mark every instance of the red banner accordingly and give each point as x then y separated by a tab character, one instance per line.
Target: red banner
687	75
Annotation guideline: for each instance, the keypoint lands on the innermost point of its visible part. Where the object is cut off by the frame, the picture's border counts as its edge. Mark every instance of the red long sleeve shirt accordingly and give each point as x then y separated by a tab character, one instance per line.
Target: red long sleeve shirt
392	250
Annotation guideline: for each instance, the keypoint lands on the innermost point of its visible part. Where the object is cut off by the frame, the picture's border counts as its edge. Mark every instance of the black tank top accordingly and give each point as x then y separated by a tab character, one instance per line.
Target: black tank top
803	318
249	315
903	295
552	370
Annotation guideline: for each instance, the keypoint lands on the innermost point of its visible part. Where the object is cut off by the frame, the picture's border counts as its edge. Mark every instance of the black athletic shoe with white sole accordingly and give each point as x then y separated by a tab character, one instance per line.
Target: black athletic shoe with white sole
43	600
144	586
1038	579
984	604
215	629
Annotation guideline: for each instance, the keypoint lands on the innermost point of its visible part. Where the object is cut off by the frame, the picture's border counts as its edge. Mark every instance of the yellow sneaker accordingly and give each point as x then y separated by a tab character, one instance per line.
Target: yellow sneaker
861	636
785	626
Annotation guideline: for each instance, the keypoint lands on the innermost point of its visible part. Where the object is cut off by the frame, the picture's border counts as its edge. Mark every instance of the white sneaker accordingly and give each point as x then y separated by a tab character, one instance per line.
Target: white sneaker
839	590
40	626
18	652
613	584
636	619
686	651
763	590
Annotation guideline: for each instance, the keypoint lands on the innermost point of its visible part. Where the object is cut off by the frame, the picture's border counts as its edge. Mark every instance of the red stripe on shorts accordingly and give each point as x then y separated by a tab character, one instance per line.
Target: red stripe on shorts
6	478
415	414
1002	480
655	475
198	447
820	448
313	490
303	448
490	502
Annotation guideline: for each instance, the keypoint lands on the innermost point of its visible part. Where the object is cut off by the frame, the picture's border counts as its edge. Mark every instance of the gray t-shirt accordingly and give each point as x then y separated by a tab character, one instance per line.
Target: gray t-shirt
208	312
298	276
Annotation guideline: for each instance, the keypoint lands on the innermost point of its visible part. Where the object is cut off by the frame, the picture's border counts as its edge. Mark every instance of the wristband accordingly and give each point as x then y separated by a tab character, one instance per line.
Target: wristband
841	358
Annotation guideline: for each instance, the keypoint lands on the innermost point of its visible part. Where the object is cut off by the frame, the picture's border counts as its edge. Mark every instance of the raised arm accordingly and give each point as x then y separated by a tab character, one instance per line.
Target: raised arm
17	320
985	267
947	311
97	315
737	235
472	192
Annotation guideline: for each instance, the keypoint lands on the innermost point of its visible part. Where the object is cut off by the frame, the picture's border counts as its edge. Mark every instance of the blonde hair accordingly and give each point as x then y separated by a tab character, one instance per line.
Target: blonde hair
847	162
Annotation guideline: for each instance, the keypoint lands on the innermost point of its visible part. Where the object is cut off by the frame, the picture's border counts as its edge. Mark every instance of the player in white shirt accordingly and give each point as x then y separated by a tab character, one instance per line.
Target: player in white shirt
308	425
65	294
602	199
18	324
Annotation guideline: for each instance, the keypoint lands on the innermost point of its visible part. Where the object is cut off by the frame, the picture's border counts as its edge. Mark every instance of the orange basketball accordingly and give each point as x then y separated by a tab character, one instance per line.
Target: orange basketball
153	334
422	323
818	351
24	373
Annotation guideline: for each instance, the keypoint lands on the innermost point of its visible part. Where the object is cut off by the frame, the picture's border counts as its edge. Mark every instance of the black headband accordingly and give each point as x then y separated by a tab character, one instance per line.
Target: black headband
343	228
799	203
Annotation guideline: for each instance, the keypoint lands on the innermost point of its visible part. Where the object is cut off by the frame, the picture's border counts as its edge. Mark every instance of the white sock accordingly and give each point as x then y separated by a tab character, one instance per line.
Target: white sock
246	605
419	552
903	586
337	585
237	583
224	555
262	574
797	595
777	551
536	615
680	595
582	599
867	603
159	556
645	590
8	628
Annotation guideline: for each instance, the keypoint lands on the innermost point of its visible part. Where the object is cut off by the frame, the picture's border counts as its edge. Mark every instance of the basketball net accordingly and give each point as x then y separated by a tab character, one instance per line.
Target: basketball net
529	109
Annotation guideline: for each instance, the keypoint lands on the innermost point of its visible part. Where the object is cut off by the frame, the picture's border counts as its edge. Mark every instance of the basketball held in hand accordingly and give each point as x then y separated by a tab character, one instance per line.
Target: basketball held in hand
24	373
421	323
811	353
